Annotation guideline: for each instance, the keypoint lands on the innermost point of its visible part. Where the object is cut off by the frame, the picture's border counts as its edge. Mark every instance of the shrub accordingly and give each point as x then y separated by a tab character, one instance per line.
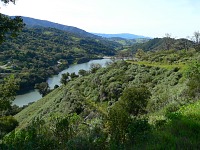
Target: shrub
7	124
135	99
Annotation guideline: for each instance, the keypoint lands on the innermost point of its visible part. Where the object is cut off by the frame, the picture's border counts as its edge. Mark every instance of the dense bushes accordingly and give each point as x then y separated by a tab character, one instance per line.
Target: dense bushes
69	132
134	100
7	124
123	123
119	129
193	74
122	106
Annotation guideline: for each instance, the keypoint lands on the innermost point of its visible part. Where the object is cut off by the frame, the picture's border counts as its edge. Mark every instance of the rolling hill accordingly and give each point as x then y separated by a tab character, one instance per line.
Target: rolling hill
34	54
32	22
162	44
122	35
149	103
124	39
84	106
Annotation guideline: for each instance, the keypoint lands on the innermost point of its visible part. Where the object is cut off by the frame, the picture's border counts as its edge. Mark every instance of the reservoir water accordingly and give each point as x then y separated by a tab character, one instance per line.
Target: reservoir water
34	95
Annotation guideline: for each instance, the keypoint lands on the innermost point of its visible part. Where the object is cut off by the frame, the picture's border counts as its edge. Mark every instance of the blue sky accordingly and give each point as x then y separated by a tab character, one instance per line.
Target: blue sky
152	18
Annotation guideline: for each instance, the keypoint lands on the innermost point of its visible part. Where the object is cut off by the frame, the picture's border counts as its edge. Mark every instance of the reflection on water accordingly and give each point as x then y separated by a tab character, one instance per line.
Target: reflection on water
26	98
34	95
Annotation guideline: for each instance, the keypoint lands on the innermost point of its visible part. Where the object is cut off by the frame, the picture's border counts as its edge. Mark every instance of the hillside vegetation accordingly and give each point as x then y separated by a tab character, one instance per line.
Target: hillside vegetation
38	53
127	42
165	43
35	23
147	104
131	47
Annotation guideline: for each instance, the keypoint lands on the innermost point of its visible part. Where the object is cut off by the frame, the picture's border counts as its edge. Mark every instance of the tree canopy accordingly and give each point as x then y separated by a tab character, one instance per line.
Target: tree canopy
7	92
9	26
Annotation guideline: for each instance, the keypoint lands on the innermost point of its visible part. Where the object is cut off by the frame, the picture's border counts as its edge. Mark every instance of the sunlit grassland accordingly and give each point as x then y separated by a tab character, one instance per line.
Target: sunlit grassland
181	66
177	130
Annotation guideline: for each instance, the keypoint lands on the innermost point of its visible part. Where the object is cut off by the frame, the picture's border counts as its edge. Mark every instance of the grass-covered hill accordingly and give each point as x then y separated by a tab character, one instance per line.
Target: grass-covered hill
38	53
157	44
166	82
148	104
127	42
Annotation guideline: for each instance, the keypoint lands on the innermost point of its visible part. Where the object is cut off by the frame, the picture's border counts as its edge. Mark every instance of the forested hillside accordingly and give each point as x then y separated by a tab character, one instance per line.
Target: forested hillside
165	43
145	97
131	47
35	23
38	53
127	42
127	105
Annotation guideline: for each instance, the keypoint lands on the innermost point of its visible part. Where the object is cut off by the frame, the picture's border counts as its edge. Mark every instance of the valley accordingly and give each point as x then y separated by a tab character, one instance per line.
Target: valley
39	53
145	97
34	95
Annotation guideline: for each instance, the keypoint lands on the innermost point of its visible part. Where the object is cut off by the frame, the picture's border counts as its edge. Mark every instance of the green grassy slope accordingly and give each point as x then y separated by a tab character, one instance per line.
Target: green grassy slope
105	87
157	44
173	115
179	130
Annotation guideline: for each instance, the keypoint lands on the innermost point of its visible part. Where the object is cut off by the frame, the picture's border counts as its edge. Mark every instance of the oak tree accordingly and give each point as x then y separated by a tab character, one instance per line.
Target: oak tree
9	27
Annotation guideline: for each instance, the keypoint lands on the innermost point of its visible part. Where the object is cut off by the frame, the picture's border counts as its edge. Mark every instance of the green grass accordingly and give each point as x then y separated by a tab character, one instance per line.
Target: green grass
191	111
160	65
100	107
39	109
181	130
47	32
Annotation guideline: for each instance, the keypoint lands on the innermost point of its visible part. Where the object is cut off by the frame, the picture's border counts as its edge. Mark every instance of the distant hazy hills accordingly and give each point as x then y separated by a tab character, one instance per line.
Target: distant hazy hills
122	35
31	22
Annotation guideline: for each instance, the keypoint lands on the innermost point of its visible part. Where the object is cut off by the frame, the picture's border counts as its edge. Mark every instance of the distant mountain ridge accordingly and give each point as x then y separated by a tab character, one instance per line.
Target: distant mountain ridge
35	23
121	35
32	22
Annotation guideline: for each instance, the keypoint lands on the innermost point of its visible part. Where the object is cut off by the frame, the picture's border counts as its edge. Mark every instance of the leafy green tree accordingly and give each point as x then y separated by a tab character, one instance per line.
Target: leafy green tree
115	90
65	128
35	136
56	86
43	88
73	75
140	54
9	26
193	74
7	92
7	124
138	129
94	67
118	122
65	78
82	72
123	54
135	99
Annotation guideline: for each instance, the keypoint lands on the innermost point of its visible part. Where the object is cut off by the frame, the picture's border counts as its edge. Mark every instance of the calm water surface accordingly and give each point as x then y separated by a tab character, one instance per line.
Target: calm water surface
34	95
